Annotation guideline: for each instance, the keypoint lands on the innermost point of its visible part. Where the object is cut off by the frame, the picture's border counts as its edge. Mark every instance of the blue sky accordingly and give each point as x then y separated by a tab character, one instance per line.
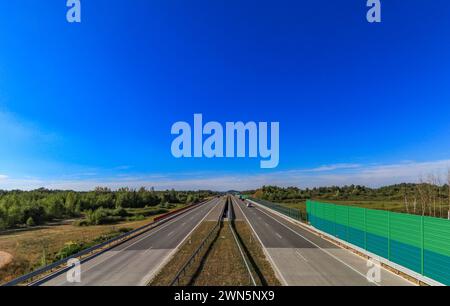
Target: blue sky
92	104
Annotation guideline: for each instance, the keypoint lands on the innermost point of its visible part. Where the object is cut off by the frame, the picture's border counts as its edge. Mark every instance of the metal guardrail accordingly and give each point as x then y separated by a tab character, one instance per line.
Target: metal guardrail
182	272
290	212
232	216
112	242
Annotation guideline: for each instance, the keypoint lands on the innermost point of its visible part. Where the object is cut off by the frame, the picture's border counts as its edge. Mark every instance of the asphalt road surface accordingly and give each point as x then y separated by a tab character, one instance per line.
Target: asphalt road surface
135	262
302	258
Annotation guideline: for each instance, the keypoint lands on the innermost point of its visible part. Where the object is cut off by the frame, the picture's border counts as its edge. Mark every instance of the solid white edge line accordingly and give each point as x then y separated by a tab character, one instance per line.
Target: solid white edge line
149	277
323	250
266	252
334	241
139	240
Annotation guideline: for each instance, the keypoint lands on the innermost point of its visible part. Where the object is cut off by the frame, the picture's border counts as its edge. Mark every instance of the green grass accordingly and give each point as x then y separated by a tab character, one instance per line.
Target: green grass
169	271
223	264
260	265
220	262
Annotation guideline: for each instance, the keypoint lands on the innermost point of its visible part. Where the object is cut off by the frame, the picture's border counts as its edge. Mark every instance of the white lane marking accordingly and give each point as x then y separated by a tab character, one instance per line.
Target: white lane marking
145	237
301	256
279	236
170	233
277	270
323	250
147	278
148	250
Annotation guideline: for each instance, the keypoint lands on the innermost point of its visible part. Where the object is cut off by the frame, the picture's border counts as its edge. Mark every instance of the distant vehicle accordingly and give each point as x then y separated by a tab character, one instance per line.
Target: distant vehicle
249	204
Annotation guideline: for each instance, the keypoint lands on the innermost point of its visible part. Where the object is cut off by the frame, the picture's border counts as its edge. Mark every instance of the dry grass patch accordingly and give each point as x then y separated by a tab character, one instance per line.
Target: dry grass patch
261	267
35	247
223	264
169	271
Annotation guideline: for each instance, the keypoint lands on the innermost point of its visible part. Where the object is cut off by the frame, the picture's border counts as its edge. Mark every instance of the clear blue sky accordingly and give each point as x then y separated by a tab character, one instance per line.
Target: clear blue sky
93	103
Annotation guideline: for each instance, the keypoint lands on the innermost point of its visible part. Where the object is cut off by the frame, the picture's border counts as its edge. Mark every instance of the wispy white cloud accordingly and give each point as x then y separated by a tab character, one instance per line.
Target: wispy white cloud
326	168
18	130
373	175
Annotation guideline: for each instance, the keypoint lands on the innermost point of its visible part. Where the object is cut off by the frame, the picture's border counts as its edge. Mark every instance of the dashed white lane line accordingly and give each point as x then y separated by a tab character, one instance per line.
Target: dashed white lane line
318	247
279	236
113	254
300	255
148	250
170	234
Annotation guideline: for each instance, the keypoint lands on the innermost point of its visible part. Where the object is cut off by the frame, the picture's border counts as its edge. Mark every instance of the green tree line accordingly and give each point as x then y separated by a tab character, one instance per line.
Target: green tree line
19	208
351	192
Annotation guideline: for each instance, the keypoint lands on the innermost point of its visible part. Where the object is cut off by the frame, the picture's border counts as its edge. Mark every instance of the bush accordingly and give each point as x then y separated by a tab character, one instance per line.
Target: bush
120	212
102	216
30	222
81	223
124	230
136	218
69	249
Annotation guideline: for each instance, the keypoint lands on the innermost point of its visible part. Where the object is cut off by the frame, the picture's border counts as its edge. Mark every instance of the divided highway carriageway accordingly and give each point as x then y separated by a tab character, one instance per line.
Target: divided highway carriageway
135	262
301	258
298	256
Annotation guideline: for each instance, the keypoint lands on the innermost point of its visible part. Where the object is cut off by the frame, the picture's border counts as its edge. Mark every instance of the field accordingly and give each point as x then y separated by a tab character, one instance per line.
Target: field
36	246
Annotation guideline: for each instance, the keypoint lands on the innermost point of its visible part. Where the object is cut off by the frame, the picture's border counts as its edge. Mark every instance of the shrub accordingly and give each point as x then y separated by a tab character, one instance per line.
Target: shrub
69	249
136	218
30	222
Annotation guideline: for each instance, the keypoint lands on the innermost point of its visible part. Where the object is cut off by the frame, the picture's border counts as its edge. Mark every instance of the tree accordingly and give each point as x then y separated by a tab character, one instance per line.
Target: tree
448	187
30	222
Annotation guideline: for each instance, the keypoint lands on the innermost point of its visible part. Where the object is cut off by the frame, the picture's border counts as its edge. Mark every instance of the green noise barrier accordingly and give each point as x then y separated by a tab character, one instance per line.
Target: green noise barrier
421	244
290	212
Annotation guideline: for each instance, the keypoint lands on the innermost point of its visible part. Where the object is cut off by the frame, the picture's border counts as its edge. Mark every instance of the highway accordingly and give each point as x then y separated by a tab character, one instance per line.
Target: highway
301	258
135	262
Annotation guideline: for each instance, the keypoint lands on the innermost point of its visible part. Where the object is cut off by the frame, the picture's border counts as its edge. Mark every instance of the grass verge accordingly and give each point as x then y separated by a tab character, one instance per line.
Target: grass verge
220	262
169	271
261	267
223	264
